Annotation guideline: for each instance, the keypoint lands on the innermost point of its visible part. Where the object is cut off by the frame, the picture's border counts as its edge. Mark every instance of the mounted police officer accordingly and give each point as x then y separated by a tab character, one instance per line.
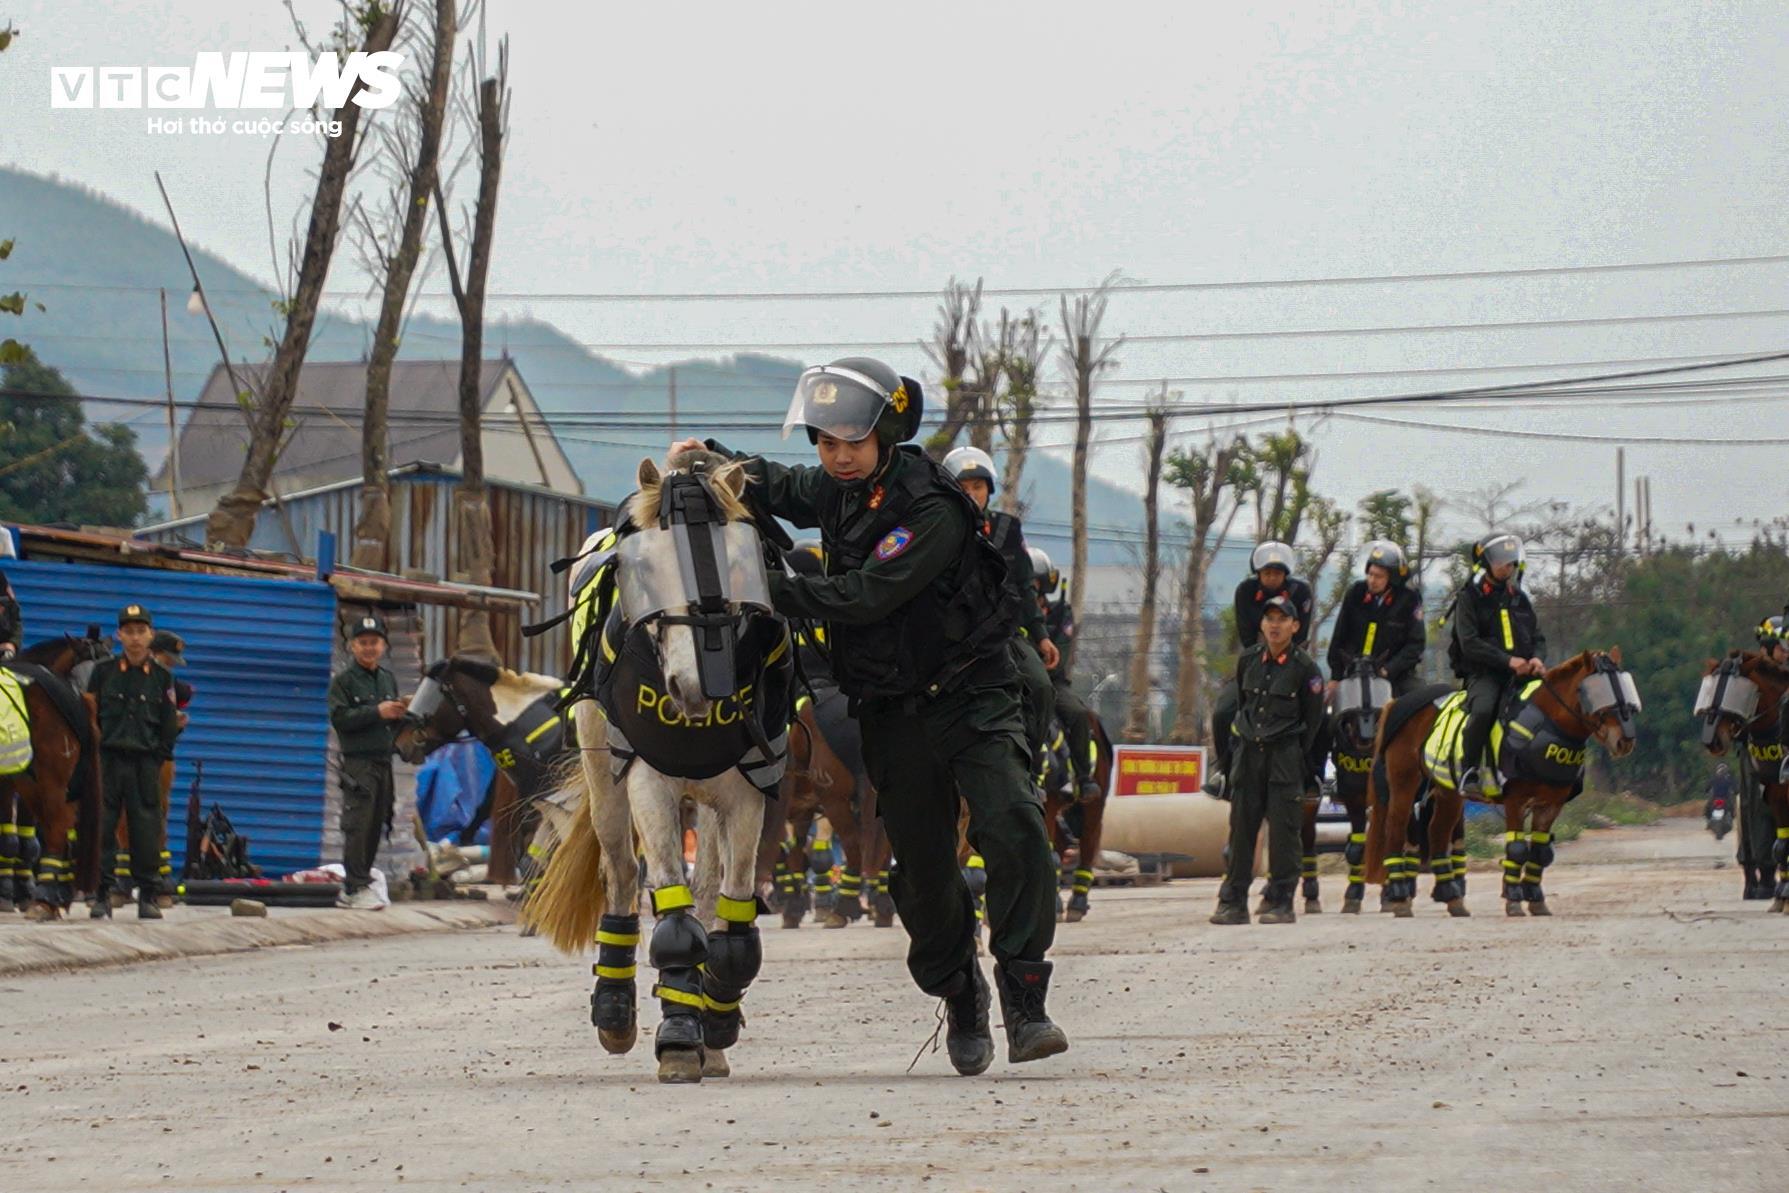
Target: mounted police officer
1496	641
1381	619
1759	762
1270	568
366	712
1071	710
918	625
1034	654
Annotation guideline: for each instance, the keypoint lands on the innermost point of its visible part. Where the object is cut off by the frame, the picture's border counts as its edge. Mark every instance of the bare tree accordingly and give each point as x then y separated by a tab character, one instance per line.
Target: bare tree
372	532
958	311
989	346
233	521
1136	717
1212	480
472	508
1030	344
1084	356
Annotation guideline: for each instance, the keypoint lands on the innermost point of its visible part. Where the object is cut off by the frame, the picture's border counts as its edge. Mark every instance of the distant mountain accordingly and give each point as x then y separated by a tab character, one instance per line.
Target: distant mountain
96	265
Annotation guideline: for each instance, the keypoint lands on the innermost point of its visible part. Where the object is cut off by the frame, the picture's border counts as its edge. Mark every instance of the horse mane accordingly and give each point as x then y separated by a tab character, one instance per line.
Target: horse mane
41	652
514	691
642	509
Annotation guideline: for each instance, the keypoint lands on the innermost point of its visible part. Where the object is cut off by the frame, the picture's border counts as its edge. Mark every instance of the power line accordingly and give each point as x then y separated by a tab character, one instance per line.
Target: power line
1118	288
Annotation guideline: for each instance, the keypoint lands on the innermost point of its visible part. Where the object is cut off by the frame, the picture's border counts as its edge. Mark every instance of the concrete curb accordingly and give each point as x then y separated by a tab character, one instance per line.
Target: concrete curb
27	948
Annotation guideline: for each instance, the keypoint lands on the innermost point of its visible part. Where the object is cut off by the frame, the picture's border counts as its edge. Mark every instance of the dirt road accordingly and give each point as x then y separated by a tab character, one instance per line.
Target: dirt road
1635	1041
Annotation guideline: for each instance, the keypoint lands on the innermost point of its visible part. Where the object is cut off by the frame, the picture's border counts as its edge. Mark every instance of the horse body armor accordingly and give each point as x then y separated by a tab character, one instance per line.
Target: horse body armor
15	724
1524	741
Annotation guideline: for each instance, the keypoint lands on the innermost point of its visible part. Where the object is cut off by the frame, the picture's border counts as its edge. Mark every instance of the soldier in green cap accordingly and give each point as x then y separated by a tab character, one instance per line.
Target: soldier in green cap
138	721
365	710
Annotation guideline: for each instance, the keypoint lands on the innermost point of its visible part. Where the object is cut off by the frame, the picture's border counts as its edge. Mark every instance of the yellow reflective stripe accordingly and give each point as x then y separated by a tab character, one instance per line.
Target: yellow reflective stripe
736	911
1509	635
1512	836
677	996
620	973
1372	633
803	701
28	832
608	648
544	727
1357	838
781	649
671	898
975	862
714	1004
1783	834
626	940
1540	838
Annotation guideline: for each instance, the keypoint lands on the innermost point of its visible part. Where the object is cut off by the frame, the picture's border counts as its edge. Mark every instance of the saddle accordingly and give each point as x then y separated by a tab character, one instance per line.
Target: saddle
1524	744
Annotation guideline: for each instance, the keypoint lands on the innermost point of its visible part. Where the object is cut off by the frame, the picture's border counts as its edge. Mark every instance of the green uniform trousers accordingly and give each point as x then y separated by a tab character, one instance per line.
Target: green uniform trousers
1223	712
1038	696
132	790
1757	826
923	755
1266	783
366	811
1071	710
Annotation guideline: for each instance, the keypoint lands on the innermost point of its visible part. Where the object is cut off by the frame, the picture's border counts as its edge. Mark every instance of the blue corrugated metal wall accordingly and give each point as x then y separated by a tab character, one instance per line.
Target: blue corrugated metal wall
258	657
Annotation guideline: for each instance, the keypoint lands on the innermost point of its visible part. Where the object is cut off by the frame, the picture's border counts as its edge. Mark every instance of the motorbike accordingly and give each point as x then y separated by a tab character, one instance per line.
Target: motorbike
1720	817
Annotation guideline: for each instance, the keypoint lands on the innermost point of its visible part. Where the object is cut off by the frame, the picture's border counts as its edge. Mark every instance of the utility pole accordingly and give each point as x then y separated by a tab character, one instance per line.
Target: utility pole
1621	499
173	431
673	403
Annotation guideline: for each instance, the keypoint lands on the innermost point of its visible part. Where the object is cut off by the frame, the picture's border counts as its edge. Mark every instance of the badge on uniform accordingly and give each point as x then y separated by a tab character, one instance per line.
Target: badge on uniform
893	543
1316	684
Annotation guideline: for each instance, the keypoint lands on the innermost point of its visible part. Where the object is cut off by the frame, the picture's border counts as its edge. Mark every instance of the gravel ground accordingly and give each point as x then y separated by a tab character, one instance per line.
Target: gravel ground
1633	1041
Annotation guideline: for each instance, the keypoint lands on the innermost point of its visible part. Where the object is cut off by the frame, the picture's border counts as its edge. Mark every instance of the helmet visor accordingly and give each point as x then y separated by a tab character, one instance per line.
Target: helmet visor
842	403
1272	555
1504	548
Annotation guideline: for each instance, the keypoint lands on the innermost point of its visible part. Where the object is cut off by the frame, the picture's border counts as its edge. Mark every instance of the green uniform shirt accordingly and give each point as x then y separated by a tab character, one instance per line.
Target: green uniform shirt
137	712
354	698
1281	698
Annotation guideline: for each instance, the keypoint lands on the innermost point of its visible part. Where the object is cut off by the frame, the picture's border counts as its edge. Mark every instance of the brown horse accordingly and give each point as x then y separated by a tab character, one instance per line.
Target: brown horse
1732	714
1529	806
59	794
1061	806
1360	697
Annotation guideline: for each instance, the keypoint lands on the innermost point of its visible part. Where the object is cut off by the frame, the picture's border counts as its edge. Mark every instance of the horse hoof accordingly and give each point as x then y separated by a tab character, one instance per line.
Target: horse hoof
714	1063
42	913
1350	906
1779	904
835	920
1457	909
529	929
618	1043
885	921
1539	907
791	920
118	899
680	1066
1074	915
1402	909
1515	908
1313	907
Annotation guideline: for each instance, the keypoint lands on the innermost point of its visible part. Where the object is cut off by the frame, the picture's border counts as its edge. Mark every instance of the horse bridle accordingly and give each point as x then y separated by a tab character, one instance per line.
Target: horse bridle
1601	665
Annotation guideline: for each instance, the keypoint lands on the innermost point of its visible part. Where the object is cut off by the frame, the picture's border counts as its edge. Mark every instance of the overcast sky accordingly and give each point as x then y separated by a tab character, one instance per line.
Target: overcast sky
816	147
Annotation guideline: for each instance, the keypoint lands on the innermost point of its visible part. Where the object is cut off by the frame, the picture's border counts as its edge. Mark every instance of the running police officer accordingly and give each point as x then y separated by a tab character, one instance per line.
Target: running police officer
1071	710
1496	640
1270	567
1381	619
917	623
1033	653
365	710
1278	718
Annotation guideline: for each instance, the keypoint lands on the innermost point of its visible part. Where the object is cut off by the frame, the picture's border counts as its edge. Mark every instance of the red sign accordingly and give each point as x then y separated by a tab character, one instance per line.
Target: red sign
1157	770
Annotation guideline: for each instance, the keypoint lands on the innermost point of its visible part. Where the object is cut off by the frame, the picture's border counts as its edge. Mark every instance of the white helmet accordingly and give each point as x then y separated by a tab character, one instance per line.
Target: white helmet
971	463
1271	555
1043	572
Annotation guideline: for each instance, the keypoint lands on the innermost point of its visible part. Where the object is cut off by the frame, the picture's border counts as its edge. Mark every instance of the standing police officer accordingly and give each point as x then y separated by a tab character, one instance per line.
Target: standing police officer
916	618
1071	710
1034	655
1270	567
1760	763
1496	640
1278	718
138	721
365	710
1381	619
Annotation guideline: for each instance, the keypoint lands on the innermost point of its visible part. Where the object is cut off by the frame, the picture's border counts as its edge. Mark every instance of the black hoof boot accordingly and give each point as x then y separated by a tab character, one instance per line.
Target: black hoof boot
968	1038
678	1048
1030	1035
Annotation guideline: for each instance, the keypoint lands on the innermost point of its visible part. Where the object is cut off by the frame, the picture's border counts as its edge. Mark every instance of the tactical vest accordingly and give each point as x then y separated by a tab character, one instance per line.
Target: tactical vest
1503	616
1059	622
925	646
1536	749
529	745
1009	539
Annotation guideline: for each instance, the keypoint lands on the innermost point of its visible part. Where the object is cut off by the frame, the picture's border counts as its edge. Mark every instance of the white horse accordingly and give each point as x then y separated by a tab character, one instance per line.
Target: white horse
591	887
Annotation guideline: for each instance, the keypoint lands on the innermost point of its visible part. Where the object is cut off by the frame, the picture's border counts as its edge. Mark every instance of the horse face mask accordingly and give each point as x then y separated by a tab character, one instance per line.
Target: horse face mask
1725	693
1608	688
695	569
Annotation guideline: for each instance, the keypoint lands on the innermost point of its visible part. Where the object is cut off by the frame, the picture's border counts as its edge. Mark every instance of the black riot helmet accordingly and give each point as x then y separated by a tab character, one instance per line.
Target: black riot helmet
854	398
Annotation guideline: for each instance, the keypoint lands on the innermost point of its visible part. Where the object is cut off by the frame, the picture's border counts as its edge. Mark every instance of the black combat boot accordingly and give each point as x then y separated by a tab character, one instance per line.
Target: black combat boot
1029	1033
969	1040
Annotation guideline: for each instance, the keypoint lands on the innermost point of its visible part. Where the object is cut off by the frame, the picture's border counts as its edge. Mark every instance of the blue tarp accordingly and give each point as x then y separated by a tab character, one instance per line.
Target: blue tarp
450	785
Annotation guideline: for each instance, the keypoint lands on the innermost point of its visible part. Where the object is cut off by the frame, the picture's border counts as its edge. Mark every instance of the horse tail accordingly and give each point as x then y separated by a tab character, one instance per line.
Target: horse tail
567	904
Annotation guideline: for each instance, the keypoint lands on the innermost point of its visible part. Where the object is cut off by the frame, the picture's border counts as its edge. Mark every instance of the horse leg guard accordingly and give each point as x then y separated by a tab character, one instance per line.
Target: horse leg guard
734	957
1310	889
1077	899
847	903
1540	856
1459	861
612	1001
1355	854
882	904
679	947
1515	860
